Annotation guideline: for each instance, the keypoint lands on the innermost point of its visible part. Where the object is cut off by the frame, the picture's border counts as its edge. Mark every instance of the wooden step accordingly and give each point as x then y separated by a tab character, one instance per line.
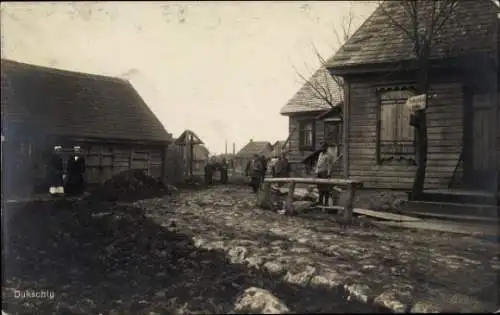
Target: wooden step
460	196
453	211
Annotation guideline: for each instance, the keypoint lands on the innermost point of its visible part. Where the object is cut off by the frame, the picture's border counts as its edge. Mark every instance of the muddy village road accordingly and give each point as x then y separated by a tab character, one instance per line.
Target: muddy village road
212	251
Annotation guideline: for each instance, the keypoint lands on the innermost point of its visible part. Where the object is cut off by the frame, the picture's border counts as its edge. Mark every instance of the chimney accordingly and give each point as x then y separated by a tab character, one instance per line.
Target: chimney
234	148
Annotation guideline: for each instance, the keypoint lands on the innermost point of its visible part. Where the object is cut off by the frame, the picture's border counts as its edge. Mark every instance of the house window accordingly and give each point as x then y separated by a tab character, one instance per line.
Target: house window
306	134
333	132
396	137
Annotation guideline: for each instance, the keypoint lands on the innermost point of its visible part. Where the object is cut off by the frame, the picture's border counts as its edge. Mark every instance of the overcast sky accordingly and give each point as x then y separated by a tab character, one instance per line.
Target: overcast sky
222	69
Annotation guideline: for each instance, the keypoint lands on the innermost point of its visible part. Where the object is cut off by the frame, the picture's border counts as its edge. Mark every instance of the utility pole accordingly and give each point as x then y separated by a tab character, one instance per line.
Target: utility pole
226	147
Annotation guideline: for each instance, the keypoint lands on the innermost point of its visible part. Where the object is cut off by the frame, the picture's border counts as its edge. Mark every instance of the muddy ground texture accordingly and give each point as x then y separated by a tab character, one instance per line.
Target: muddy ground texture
212	251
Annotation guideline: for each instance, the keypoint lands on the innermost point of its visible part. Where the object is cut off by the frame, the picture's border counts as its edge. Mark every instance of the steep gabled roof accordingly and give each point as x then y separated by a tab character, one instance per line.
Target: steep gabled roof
183	138
44	101
307	99
377	40
255	147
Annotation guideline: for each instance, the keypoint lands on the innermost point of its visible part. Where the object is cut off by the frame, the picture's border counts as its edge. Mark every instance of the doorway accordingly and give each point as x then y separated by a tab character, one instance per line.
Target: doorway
480	154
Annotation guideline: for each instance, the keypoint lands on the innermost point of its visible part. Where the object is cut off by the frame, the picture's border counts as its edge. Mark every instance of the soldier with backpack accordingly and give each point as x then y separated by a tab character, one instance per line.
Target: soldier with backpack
254	171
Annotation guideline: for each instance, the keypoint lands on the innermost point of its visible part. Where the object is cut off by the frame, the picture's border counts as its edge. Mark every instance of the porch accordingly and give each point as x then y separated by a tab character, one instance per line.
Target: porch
455	204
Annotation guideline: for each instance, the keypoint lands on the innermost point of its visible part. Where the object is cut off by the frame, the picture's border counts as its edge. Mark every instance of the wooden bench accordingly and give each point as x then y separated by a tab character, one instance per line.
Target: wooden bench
350	185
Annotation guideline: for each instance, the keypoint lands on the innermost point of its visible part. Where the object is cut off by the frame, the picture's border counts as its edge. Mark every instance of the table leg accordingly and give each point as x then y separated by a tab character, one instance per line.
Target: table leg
289	199
264	199
348	206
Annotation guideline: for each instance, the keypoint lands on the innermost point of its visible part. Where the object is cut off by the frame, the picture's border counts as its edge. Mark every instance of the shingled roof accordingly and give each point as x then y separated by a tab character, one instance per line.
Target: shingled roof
378	40
255	147
46	101
307	100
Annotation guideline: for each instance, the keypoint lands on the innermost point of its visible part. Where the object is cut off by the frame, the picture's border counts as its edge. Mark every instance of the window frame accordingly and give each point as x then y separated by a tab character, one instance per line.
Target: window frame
302	124
409	157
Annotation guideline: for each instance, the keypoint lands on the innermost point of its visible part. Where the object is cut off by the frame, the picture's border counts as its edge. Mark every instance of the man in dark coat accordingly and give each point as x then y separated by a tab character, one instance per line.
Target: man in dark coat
282	166
254	170
208	173
263	160
55	172
76	169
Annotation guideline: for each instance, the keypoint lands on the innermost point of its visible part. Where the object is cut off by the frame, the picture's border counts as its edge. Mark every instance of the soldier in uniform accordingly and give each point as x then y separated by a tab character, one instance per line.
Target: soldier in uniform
254	171
76	169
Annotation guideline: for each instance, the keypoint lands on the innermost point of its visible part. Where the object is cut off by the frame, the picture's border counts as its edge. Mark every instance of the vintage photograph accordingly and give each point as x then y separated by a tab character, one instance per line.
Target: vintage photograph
250	157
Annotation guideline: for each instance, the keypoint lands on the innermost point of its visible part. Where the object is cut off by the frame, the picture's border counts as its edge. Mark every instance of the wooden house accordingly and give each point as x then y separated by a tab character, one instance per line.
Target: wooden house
312	121
241	158
379	72
43	107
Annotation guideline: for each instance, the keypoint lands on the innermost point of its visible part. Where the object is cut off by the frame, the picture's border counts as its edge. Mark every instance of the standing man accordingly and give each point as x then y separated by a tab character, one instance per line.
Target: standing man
55	172
324	170
254	171
263	160
224	171
208	173
76	169
282	166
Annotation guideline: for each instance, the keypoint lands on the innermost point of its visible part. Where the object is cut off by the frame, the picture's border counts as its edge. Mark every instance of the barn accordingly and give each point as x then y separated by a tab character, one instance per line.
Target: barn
43	107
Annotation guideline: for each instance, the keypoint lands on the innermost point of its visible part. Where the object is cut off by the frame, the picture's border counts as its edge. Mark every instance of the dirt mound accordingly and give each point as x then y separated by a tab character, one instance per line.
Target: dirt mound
130	185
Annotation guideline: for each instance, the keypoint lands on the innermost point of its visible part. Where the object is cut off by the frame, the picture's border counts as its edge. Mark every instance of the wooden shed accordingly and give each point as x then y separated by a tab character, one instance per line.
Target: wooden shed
192	152
43	107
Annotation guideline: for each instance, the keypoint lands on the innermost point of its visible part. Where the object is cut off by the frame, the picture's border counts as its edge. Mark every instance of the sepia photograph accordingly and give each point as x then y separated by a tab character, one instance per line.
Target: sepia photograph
250	157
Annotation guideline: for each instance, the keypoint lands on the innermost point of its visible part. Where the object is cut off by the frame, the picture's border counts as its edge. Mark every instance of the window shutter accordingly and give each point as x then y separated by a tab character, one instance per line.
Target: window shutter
388	123
396	135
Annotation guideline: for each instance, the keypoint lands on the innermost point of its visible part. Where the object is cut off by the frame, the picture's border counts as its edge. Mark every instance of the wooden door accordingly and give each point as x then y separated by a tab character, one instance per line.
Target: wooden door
480	168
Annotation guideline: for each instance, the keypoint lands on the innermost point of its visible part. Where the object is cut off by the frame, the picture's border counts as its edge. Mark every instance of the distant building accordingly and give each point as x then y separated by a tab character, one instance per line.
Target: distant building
193	162
252	147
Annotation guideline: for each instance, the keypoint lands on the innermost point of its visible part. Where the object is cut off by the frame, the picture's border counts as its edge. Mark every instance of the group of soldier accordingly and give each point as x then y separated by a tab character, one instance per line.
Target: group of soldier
70	181
257	168
212	167
280	167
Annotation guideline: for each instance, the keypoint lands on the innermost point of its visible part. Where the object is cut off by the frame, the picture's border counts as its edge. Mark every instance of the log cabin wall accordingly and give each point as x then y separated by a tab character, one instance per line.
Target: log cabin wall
174	164
445	133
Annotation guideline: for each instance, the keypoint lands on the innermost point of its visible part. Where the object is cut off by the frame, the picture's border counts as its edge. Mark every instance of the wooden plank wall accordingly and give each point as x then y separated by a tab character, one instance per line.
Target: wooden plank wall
105	160
444	121
175	167
29	163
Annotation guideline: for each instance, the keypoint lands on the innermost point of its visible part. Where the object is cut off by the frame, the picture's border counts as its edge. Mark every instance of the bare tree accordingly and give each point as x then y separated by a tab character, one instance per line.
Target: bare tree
329	93
421	22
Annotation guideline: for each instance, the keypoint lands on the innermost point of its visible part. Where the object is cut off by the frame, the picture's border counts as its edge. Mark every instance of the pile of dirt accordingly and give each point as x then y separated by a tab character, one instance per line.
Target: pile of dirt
129	186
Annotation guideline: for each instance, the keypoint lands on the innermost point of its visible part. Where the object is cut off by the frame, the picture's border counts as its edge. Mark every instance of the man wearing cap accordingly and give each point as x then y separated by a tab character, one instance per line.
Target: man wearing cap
54	172
324	170
76	169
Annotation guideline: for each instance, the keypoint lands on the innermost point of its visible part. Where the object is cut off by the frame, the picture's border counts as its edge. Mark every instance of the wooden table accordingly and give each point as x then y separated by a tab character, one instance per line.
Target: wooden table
350	185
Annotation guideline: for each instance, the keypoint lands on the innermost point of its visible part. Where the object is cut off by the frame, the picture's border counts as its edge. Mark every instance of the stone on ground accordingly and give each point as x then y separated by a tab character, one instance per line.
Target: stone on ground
259	301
